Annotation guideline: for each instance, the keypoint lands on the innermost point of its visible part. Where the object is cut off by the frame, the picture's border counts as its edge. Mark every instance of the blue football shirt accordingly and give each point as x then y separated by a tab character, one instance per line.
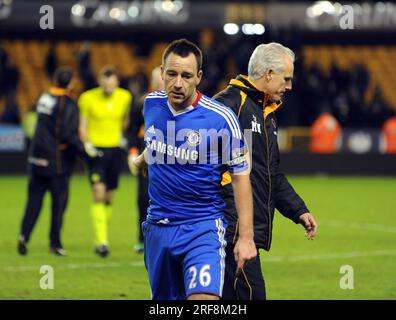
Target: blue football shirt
188	151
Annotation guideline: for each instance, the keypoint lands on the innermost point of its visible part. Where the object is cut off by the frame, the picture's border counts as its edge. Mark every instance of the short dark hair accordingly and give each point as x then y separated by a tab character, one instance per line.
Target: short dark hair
183	47
63	76
108	71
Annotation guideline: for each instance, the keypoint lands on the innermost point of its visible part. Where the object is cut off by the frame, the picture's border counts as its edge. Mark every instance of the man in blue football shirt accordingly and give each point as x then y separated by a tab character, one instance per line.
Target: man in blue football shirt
191	140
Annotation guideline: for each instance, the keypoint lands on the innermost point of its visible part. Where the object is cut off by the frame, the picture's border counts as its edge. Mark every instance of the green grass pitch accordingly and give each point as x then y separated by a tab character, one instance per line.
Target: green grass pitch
357	227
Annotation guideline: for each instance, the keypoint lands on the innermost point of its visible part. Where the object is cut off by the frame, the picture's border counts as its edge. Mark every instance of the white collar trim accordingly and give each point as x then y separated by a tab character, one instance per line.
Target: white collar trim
178	113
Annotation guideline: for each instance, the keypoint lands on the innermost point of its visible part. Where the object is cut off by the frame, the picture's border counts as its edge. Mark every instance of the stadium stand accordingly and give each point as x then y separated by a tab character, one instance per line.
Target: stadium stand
369	67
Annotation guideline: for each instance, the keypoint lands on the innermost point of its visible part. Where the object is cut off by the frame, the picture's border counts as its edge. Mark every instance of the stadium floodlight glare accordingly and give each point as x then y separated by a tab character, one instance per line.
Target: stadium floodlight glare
99	14
380	7
172	7
133	11
310	12
117	14
5	2
157	5
253	29
248	29
167	5
5	8
338	8
231	28
320	7
178	5
259	28
78	10
327	7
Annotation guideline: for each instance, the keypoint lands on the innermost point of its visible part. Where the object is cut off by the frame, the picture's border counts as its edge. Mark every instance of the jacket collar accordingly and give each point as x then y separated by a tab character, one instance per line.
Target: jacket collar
261	97
57	91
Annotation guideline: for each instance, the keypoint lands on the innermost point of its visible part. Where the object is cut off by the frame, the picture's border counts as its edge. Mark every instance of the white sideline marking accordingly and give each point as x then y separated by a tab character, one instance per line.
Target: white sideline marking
359	225
78	266
329	256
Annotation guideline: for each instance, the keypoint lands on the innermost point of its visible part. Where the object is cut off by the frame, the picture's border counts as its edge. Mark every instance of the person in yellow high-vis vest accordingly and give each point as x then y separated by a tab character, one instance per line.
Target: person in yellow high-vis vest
103	118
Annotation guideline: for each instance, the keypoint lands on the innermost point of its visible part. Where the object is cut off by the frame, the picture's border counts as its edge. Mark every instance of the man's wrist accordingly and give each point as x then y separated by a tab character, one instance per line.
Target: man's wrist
246	235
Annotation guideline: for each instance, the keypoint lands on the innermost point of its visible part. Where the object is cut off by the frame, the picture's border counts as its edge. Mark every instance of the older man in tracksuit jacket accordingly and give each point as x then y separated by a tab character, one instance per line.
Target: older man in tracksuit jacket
254	99
51	158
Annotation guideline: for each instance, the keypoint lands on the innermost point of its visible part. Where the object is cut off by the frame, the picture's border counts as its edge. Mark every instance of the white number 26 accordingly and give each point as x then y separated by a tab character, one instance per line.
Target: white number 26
204	276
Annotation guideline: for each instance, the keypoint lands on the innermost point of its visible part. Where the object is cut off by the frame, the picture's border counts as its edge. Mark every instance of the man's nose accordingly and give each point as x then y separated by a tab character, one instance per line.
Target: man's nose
288	86
178	82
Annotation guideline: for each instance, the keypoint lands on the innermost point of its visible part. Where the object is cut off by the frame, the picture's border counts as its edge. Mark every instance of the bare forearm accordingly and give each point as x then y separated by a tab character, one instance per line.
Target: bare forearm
244	204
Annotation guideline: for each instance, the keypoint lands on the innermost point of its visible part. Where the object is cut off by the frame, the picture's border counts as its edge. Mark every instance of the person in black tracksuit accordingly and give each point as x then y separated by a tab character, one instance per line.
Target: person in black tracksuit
254	99
51	158
137	145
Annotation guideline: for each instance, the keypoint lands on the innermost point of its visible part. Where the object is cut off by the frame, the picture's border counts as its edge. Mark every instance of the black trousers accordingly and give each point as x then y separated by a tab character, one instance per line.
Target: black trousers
143	202
249	285
59	189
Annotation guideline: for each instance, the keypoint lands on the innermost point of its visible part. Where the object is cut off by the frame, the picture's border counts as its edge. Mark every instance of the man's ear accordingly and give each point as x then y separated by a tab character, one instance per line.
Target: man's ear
199	76
162	72
269	74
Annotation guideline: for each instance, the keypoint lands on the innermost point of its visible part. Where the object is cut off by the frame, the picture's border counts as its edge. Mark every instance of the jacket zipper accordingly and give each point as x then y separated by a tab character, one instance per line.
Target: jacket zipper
269	186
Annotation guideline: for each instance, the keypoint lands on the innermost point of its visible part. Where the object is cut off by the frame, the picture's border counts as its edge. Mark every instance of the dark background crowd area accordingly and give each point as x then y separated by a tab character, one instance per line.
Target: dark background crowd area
340	91
9	78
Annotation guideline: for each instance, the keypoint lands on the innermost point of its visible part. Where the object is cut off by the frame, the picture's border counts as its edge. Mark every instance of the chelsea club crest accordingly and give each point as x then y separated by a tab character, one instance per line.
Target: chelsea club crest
194	138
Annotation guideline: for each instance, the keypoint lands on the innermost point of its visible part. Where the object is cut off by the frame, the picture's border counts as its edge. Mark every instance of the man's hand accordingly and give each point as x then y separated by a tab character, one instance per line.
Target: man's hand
244	251
137	162
310	225
131	164
91	150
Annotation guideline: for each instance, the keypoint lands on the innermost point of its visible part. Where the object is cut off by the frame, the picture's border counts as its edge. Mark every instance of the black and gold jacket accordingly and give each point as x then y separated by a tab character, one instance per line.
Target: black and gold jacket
270	187
55	143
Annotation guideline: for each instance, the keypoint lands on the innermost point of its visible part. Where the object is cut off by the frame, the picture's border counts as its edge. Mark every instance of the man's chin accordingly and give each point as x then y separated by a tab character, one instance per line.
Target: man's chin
276	98
176	102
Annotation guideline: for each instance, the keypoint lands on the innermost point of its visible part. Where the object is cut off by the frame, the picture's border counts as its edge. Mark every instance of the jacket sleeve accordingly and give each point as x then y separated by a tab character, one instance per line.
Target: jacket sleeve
69	129
286	199
230	98
135	123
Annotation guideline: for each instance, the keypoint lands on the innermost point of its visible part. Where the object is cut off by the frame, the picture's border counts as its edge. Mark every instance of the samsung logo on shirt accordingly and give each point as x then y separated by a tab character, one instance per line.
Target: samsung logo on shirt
172	151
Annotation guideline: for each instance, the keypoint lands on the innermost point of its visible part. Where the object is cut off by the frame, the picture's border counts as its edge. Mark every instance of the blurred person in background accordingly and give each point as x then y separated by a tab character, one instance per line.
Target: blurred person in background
325	134
137	145
378	110
388	134
51	158
3	66
85	66
51	61
254	99
9	80
11	114
103	120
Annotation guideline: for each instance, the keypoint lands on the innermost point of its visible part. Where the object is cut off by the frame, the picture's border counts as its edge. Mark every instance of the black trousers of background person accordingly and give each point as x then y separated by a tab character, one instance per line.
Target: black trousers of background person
249	285
143	202
59	189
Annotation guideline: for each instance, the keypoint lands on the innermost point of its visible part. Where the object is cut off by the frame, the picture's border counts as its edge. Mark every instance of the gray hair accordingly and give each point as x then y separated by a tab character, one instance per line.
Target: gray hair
268	56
